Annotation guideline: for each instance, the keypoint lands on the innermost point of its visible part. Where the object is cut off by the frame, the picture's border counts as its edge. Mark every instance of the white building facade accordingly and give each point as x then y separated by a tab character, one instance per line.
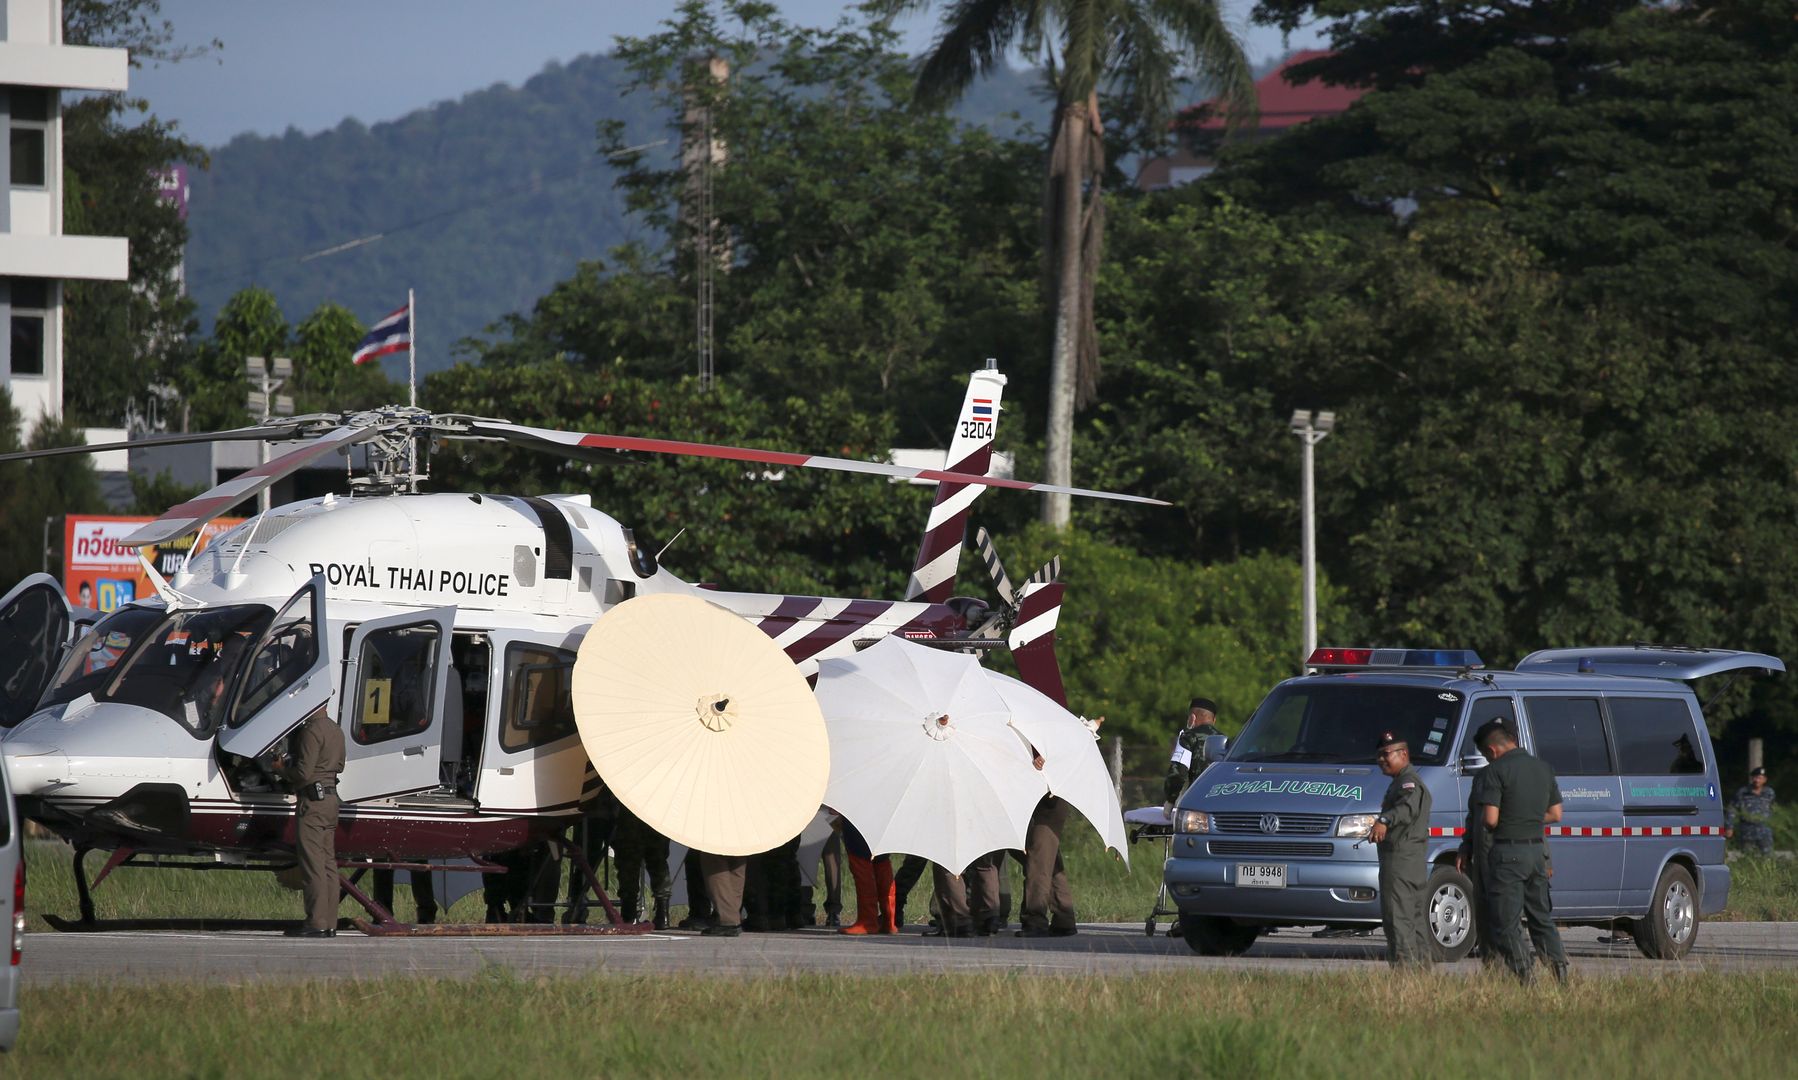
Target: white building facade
36	257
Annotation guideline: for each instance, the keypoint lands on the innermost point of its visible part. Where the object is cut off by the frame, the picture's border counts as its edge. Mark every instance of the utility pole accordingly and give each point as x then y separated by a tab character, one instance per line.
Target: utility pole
264	403
1310	433
701	155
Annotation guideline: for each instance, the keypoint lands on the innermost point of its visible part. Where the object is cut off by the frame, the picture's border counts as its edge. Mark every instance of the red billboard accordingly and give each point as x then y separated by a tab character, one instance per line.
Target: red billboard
99	571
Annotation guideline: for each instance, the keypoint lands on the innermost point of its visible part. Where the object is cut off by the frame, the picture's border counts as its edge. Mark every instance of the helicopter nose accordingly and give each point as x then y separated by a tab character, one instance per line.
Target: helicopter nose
35	770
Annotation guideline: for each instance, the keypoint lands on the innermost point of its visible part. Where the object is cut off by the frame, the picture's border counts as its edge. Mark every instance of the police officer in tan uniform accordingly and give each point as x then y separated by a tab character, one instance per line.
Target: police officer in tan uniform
312	768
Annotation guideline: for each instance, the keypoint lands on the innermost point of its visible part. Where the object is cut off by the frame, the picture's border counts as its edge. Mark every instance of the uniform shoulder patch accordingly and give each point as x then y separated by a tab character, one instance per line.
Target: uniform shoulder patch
1409	785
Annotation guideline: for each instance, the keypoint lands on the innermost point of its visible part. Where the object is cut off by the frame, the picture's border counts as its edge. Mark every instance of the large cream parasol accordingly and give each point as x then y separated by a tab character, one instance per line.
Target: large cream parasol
921	758
1072	762
700	724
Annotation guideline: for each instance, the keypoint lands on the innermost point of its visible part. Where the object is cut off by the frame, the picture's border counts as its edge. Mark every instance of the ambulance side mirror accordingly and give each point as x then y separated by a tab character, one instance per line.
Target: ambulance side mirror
1472	763
1214	748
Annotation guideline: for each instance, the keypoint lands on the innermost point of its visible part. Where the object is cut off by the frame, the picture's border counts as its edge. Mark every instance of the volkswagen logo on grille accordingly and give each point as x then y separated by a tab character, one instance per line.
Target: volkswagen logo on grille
1270	823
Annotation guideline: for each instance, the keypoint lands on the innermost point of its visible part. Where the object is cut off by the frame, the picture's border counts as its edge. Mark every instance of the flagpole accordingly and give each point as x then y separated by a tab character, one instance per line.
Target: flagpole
412	347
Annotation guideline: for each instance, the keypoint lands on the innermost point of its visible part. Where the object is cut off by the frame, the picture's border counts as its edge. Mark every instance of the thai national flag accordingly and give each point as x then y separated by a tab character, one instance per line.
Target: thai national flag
391	334
983	408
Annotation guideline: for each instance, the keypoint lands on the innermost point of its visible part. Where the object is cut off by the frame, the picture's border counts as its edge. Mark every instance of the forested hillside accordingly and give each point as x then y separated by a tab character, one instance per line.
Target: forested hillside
481	204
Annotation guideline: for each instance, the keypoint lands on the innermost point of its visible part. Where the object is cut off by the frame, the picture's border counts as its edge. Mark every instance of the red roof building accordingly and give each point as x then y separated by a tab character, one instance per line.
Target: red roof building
1200	129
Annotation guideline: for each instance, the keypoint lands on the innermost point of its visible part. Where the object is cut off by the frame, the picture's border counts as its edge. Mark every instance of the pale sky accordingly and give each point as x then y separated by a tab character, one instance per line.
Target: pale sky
309	65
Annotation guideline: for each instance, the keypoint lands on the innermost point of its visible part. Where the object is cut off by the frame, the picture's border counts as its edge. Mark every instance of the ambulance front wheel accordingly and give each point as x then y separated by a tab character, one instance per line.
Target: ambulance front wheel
1451	914
1212	936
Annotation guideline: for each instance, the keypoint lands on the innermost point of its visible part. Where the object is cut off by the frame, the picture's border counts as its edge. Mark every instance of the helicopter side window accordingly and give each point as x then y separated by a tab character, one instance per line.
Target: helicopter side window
397	668
289	653
539	705
94	659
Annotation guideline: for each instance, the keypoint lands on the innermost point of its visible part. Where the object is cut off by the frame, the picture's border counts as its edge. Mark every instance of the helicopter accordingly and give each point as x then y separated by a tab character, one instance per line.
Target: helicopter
439	629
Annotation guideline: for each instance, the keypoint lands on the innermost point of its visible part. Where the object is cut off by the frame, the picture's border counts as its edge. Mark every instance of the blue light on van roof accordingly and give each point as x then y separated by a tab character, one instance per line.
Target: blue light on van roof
1335	657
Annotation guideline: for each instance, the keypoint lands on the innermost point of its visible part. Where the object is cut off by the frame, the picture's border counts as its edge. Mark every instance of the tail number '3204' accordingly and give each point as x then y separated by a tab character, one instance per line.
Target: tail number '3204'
976	429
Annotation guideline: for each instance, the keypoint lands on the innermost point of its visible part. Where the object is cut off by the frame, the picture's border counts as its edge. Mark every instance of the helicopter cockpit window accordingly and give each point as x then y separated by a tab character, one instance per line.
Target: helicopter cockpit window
395	671
91	663
539	707
32	631
290	651
188	665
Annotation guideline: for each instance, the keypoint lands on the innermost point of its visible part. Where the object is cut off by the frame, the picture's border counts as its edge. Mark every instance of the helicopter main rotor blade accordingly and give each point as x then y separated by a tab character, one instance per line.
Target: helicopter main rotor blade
197	511
566	441
265	432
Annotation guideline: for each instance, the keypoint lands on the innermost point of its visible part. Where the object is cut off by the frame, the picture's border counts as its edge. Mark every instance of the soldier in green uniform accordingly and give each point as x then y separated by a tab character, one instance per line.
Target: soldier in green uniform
1750	815
635	848
1201	720
1401	832
312	768
1520	795
1473	860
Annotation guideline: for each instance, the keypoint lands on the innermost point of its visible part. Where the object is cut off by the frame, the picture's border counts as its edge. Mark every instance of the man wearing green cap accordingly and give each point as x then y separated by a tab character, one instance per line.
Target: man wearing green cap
1521	796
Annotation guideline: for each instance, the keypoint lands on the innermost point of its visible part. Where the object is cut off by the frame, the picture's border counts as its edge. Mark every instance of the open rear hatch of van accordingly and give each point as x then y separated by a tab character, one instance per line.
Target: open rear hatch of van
1649	661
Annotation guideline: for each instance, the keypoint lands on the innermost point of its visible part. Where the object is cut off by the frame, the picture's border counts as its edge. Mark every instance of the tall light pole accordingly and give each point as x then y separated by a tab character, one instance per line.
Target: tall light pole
263	403
1310	432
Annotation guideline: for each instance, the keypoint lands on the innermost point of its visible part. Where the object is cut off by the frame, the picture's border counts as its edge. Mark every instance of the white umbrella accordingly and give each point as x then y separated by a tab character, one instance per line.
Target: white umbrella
921	758
1072	762
700	724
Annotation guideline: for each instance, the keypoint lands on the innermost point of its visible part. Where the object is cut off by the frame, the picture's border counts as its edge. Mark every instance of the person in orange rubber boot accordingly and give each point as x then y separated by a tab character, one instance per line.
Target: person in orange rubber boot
874	893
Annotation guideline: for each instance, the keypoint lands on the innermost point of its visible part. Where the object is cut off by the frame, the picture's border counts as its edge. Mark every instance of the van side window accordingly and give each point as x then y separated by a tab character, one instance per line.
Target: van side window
396	673
1655	737
1479	713
539	706
1569	735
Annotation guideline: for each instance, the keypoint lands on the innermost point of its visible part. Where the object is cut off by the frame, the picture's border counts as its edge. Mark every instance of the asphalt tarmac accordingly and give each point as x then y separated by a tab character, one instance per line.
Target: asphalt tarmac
1098	949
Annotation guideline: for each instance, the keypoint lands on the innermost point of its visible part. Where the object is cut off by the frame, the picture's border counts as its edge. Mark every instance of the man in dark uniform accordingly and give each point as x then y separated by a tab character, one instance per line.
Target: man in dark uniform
1401	831
1750	815
312	769
1473	859
1520	796
635	848
1201	721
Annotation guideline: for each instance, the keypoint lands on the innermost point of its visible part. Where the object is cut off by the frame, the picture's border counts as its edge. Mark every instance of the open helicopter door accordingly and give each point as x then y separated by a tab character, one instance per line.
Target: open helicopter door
34	626
396	680
289	676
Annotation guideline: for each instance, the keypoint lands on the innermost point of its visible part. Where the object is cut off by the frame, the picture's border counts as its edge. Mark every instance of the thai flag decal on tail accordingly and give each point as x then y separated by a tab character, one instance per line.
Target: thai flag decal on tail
970	451
390	335
983	409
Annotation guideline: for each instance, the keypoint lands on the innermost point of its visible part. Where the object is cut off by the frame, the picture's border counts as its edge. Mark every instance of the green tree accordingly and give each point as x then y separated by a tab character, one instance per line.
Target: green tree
120	338
324	378
1137	46
34	495
213	387
873	248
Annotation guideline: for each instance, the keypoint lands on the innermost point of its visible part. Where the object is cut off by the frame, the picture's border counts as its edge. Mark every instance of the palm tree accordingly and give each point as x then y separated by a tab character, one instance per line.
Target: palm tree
1138	49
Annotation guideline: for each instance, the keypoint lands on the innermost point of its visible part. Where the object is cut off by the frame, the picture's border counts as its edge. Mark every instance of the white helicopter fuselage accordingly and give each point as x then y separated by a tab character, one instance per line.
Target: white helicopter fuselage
438	629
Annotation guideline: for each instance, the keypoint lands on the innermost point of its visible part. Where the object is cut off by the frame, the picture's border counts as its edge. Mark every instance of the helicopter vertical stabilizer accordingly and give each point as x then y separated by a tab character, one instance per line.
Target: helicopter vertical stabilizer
970	451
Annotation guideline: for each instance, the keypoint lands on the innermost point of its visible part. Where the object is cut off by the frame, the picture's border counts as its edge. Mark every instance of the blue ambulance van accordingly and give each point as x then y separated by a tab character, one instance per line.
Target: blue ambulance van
1272	832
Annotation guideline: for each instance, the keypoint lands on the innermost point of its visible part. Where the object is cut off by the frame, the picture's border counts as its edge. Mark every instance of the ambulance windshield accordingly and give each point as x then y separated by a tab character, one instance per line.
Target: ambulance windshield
1340	723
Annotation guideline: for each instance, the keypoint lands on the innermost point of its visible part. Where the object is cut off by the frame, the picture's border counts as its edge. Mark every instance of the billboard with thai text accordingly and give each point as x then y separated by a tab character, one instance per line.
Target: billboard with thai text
100	571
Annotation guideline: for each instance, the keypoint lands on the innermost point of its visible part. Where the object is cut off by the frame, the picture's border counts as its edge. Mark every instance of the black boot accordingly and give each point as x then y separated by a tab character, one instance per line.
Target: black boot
661	918
1561	972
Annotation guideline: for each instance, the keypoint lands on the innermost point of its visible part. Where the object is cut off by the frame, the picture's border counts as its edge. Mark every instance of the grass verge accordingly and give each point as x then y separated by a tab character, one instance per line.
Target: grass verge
1204	1024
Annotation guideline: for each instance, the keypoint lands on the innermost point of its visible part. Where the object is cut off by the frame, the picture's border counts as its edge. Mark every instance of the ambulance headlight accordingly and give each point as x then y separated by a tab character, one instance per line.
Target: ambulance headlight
1190	821
1355	824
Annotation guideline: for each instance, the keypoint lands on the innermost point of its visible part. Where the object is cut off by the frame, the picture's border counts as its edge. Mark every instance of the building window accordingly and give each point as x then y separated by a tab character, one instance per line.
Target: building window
28	138
30	314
